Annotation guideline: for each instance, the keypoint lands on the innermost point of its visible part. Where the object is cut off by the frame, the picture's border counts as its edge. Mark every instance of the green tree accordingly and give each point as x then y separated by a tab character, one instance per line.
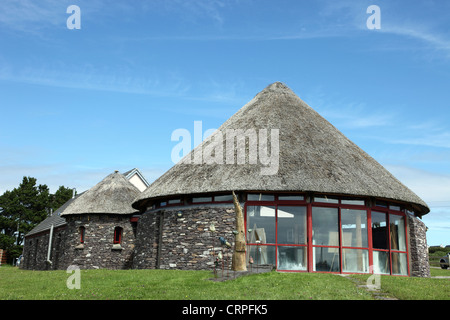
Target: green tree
61	196
23	208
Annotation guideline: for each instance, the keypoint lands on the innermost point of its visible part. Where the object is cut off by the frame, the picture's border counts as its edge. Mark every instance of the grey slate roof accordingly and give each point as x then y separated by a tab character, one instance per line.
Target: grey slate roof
314	156
54	219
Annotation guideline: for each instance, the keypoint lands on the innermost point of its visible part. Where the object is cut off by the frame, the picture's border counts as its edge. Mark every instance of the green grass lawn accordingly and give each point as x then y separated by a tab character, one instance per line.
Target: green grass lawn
194	285
413	288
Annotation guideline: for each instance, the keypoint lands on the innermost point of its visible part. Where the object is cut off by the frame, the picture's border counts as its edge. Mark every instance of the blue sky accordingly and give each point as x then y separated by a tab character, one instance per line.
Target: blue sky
78	104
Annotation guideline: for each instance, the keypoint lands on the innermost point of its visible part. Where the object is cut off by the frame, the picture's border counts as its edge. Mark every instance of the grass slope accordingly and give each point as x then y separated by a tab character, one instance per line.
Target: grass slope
18	284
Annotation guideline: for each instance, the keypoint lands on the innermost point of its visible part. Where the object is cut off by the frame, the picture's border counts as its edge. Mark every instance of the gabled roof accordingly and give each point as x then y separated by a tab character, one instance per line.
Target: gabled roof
54	219
141	183
112	195
313	157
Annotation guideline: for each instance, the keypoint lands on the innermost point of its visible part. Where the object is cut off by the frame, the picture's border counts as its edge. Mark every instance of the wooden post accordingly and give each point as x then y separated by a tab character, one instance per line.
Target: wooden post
238	262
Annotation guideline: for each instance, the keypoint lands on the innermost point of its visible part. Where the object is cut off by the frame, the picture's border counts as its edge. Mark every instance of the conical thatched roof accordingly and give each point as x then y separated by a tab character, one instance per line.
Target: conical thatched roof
112	195
313	157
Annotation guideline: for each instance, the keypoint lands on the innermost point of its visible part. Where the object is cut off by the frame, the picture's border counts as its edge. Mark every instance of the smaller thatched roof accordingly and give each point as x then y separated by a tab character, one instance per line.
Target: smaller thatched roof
113	195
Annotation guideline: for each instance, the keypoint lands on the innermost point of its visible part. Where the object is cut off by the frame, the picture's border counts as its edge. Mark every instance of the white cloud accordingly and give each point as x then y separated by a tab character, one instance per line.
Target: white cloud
431	187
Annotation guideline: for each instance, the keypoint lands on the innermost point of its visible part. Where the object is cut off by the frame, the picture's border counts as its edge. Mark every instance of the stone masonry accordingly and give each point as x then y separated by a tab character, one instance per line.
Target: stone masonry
166	240
419	260
98	250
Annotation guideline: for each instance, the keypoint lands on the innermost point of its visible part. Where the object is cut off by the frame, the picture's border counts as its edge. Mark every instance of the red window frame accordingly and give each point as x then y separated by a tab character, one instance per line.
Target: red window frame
82	234
368	209
117	235
276	203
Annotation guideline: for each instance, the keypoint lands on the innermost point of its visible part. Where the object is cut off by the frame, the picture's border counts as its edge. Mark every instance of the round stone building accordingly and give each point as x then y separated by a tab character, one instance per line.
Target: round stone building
312	200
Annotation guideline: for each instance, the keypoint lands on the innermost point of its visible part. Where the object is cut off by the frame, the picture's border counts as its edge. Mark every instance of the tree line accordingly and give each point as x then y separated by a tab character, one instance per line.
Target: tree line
23	208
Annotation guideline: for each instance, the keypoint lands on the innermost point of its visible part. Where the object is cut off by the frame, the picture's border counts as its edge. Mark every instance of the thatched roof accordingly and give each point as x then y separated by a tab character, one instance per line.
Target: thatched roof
112	195
313	157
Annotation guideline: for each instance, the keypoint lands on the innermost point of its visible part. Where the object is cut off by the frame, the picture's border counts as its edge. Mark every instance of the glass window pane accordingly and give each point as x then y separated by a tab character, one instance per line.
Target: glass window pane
381	262
260	197
379	230
354	228
261	224
326	200
325	226
397	208
399	264
353	202
355	260
292	258
326	259
381	204
291	225
291	198
228	197
174	201
201	199
397	229
261	254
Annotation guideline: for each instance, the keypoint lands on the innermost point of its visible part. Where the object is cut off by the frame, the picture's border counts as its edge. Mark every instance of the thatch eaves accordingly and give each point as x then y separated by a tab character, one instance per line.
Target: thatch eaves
112	195
313	157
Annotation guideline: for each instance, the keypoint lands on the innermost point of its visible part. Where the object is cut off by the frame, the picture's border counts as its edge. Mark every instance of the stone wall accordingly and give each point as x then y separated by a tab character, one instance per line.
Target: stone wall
98	249
168	241
35	250
419	260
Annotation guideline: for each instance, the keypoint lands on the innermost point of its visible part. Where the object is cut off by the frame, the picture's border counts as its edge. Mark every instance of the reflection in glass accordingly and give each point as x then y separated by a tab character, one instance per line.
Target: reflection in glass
354	228
291	198
326	200
381	262
261	222
326	259
291	225
399	264
379	230
353	202
292	258
261	254
325	226
355	260
397	230
260	197
201	199
226	197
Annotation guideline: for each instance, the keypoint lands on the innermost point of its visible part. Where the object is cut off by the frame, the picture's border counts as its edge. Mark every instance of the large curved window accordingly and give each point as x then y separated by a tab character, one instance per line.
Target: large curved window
328	234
